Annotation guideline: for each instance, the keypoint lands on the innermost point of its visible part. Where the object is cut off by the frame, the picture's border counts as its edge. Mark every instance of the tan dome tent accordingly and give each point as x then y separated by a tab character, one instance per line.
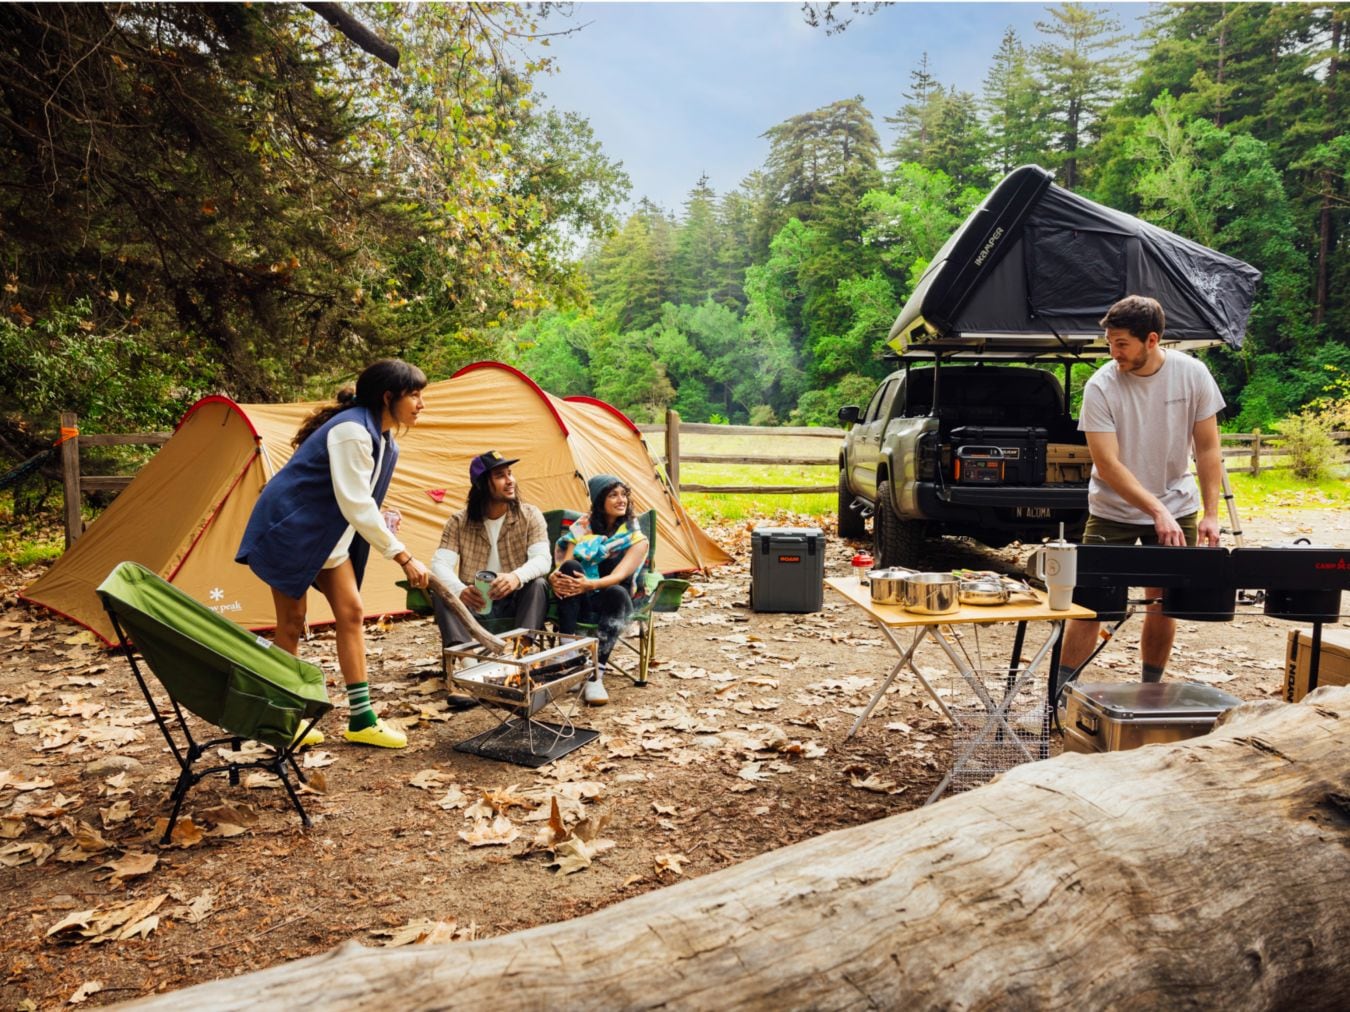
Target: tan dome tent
184	514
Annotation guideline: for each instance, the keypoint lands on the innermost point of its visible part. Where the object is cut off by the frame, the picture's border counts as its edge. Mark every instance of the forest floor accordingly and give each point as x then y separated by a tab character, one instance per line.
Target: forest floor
735	748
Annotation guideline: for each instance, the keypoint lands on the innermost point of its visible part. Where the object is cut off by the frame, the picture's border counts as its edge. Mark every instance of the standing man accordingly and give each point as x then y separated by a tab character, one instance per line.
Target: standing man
1142	413
495	532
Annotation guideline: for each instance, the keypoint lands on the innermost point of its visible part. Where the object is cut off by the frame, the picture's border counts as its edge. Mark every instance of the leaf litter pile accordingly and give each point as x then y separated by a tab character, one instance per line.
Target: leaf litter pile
735	748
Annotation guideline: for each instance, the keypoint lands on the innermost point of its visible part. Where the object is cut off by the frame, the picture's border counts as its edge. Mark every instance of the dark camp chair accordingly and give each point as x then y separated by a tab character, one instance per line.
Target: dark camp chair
655	594
219	671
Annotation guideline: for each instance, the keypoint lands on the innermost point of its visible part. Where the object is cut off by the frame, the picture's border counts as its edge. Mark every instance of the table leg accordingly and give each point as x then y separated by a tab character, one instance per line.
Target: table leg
905	655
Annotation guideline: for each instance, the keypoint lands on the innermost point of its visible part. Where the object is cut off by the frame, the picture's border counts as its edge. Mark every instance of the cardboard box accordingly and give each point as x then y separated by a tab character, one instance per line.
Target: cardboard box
1333	666
1067	462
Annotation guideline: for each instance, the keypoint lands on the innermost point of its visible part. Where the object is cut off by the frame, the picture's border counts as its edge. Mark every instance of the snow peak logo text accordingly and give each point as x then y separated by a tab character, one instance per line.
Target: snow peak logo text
1331	565
988	247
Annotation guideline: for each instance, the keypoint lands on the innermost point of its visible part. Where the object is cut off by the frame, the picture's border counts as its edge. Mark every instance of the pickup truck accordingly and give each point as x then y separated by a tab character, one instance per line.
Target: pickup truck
986	451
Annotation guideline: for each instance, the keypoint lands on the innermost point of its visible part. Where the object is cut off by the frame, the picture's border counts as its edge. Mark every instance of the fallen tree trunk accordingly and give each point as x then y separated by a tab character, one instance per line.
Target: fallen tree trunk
1210	873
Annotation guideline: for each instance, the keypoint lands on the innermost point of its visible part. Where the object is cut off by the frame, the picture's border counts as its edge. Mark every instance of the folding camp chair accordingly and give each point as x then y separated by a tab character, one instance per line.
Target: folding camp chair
656	594
226	675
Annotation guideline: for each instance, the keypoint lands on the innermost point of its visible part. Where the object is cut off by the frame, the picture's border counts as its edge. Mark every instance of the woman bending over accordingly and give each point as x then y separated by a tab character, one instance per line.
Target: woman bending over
319	516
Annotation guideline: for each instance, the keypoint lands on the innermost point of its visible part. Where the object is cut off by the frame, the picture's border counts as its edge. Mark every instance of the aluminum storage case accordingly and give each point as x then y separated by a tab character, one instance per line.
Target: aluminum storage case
787	569
1114	716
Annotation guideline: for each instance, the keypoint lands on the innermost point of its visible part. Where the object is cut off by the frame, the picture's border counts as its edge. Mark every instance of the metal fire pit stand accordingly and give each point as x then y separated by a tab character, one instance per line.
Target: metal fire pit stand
537	668
995	724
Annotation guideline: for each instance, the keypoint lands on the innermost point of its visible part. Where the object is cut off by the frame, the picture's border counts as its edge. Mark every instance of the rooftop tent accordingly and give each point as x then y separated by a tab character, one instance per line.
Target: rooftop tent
184	514
1035	267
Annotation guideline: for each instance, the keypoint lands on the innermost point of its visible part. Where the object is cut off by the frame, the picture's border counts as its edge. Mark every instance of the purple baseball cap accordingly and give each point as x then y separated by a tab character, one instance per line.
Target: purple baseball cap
485	462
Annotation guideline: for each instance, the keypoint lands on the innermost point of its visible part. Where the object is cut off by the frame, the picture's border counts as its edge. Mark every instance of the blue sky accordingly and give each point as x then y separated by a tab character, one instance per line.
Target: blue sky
674	90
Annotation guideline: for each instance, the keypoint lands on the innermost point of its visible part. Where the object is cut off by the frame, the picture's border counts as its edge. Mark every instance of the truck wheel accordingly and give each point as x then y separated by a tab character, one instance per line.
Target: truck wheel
851	523
895	542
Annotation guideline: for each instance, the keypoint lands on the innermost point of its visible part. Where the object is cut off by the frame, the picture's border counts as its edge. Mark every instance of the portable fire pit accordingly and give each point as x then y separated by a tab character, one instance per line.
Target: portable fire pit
537	668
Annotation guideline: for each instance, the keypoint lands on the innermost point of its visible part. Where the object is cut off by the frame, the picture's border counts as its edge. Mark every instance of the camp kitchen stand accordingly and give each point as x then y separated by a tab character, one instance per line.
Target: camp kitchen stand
536	669
990	724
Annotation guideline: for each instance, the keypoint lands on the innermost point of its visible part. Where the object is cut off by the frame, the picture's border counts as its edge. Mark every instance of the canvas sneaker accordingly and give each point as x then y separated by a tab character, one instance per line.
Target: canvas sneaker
593	692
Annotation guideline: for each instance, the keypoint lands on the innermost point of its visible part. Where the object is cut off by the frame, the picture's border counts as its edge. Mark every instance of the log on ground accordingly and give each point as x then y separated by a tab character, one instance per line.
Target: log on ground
1212	873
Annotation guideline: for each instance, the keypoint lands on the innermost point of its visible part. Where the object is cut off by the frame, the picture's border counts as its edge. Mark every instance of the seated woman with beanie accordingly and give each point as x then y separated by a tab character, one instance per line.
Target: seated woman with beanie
598	558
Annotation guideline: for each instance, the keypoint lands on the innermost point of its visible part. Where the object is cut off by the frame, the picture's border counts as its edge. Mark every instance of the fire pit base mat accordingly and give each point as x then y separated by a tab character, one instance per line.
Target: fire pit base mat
530	743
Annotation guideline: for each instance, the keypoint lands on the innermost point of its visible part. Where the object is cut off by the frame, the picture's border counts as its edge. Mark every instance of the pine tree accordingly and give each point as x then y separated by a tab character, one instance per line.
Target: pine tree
1081	76
1011	106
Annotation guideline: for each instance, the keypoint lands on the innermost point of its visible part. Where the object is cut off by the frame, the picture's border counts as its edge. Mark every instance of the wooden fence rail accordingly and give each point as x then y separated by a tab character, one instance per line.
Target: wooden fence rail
1258	451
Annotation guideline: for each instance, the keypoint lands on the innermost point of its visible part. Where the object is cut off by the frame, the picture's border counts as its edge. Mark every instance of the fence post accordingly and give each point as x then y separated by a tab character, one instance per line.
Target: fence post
673	449
70	478
1256	451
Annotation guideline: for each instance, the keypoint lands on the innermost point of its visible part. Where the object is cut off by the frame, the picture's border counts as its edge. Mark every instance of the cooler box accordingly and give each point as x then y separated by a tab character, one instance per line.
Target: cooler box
1114	716
787	569
1333	665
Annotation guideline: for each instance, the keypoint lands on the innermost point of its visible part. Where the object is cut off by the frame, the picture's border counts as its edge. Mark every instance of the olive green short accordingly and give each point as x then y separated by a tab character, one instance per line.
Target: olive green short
1100	531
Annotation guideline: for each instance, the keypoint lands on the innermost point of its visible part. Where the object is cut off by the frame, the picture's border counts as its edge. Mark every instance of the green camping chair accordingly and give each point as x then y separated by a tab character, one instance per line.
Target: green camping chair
655	594
226	675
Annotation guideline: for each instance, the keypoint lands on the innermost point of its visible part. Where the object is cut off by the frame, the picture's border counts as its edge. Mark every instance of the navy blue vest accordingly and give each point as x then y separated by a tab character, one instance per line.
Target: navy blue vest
296	522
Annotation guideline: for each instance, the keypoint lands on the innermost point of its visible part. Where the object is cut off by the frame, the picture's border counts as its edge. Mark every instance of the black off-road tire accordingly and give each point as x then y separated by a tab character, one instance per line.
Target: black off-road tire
895	542
851	522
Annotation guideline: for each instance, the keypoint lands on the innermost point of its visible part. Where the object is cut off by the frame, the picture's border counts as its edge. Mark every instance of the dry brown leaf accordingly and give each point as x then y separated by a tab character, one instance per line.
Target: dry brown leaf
131	866
497	833
453	798
429	779
753	772
117	813
673	863
238	815
574	854
315	783
314	759
84	991
423	931
664	809
15	854
261	780
588	789
557	830
505	798
875	784
11	827
118	923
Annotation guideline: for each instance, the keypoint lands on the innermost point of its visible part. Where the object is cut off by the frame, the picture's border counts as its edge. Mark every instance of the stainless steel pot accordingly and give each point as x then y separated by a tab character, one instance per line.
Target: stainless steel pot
983	592
888	585
932	593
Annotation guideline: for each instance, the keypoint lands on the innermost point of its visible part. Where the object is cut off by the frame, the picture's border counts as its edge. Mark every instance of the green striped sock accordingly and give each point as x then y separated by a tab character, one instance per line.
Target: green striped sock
361	715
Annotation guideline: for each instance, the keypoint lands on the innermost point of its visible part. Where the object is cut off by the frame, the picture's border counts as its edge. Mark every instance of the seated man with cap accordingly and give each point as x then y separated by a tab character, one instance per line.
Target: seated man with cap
500	540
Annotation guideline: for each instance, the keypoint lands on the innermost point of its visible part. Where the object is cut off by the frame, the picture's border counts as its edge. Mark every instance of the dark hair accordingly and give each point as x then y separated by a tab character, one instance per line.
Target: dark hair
387	376
599	521
1138	314
475	508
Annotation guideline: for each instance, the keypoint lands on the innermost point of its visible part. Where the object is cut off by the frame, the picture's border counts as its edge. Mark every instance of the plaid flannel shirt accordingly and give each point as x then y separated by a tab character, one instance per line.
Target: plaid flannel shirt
520	528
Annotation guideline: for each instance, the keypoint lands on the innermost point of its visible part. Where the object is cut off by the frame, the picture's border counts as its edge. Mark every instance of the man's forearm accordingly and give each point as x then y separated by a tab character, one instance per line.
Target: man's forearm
1209	468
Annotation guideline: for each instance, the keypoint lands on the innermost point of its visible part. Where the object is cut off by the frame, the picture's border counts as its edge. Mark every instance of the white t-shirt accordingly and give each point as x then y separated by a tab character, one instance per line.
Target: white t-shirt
1153	418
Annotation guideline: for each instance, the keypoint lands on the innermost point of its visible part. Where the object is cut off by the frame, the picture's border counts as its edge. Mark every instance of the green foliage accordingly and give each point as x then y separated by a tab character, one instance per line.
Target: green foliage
1306	440
821	407
115	381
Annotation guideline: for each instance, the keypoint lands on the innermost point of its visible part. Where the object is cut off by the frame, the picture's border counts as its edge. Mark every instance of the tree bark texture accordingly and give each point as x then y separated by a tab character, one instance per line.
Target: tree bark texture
1212	873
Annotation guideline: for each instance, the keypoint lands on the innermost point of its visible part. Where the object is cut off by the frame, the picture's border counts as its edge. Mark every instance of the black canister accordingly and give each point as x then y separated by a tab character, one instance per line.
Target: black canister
1200	604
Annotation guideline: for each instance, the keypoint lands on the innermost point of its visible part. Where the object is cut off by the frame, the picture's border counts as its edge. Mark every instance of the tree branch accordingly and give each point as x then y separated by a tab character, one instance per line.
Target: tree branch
349	26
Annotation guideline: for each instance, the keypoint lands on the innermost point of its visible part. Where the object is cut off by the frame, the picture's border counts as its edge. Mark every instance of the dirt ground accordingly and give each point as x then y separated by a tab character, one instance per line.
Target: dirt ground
736	747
